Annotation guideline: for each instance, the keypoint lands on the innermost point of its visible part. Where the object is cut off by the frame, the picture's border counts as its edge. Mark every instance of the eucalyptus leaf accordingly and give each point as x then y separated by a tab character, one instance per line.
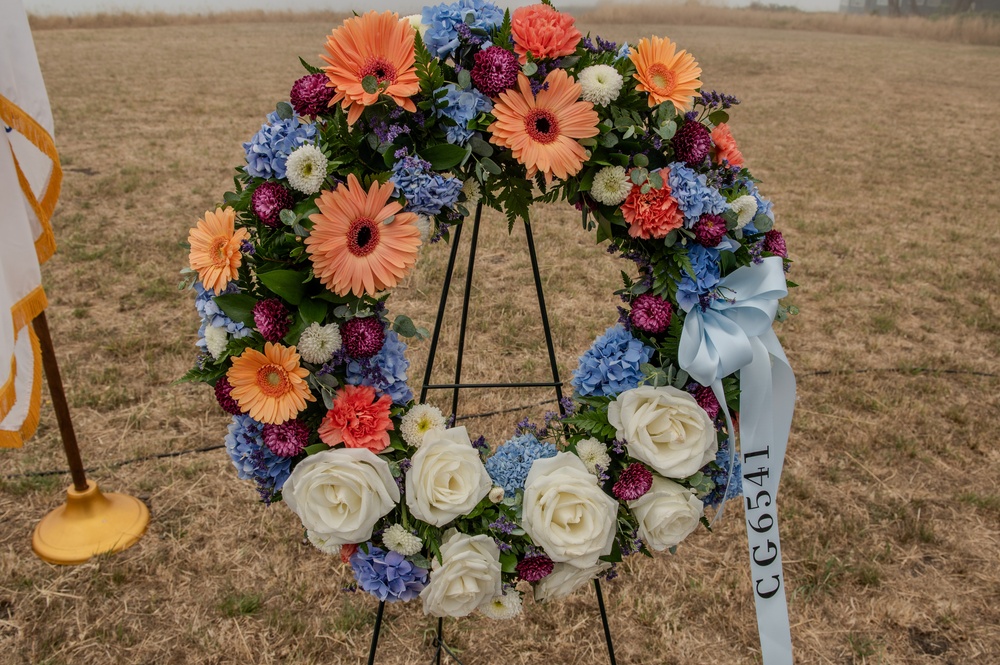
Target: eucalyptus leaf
640	160
671	239
718	117
464	79
763	223
656	180
491	166
287	217
481	147
284	110
370	84
529	68
638	176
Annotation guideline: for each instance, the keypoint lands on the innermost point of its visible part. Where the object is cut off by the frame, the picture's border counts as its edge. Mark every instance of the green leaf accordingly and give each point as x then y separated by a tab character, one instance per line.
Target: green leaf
481	147
287	217
603	228
208	374
666	111
443	156
313	310
638	176
718	117
640	160
284	110
763	223
667	130
316	448
491	166
609	140
508	562
464	79
309	68
403	325
237	306
655	179
370	84
285	283
529	68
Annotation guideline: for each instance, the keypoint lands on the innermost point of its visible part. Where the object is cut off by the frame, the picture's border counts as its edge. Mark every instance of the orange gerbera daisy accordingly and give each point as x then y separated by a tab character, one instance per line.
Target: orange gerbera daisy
541	131
270	386
351	246
373	44
215	248
665	73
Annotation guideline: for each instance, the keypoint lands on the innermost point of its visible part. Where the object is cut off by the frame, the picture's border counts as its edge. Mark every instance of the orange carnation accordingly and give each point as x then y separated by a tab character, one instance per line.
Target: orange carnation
270	386
725	146
215	248
544	32
358	420
653	214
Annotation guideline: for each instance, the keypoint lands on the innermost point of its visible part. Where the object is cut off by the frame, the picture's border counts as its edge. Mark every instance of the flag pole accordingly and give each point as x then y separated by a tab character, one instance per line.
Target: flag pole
89	522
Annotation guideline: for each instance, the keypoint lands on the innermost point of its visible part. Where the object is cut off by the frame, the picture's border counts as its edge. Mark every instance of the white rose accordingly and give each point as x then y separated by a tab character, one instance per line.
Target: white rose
467	576
447	477
565	579
667	513
665	428
566	512
339	494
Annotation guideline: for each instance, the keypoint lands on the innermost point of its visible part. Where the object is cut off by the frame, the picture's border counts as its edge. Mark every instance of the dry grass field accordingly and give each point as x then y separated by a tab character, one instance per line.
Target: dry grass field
879	153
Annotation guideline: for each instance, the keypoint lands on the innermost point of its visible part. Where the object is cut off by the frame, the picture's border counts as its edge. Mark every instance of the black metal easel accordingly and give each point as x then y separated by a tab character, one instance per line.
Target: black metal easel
439	643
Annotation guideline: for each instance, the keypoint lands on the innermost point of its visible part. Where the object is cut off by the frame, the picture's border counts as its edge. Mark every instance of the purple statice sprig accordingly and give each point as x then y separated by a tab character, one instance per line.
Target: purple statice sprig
716	100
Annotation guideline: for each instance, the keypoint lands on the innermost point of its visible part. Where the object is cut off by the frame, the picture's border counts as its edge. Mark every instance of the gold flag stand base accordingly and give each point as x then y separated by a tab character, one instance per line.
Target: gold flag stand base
88	524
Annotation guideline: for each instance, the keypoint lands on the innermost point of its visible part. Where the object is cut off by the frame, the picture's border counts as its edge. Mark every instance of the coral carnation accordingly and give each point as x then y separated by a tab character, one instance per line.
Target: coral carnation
215	248
651	313
363	338
270	386
377	45
495	70
287	439
666	74
633	482
311	95
534	568
653	214
271	319
725	146
358	420
544	32
268	200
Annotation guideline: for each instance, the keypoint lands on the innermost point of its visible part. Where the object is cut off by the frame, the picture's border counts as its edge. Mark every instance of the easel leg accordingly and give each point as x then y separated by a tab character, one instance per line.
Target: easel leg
604	620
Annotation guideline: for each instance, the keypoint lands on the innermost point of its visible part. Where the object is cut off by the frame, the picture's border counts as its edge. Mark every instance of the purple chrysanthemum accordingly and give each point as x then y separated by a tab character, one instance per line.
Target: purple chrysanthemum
287	439
495	70
774	242
709	229
706	400
310	94
363	338
534	568
226	401
650	313
692	143
271	319
633	482
268	200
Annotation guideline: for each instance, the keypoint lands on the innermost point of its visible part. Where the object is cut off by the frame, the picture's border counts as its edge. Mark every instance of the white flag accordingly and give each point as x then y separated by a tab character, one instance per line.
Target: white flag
30	178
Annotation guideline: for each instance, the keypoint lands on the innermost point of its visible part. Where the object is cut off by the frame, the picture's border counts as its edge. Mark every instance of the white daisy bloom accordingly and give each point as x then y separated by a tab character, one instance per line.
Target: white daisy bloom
216	340
503	607
745	208
424	225
418	421
472	192
601	84
398	539
306	169
611	186
593	453
317	344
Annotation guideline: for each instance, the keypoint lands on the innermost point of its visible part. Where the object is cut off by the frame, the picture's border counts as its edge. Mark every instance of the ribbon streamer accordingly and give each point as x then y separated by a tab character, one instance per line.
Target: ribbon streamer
734	334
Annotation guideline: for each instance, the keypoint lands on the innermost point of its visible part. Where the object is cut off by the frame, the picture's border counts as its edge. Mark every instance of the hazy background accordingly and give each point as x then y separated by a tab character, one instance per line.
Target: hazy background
74	7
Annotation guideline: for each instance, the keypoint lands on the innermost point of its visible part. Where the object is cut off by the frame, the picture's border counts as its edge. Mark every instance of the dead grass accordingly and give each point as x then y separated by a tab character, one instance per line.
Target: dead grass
962	28
889	513
160	19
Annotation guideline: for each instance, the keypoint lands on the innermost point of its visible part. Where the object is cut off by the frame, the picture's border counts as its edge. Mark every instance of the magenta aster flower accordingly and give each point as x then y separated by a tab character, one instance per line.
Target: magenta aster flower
650	314
633	482
709	229
271	319
495	70
222	390
268	200
706	400
774	242
534	568
287	439
692	143
310	94
363	338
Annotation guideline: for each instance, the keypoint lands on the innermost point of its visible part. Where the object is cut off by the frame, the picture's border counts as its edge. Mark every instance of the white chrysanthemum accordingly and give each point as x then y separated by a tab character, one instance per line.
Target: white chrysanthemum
398	539
317	344
600	84
503	607
745	208
420	420
496	494
593	453
424	225
306	169
611	186
472	192
216	340
325	543
416	20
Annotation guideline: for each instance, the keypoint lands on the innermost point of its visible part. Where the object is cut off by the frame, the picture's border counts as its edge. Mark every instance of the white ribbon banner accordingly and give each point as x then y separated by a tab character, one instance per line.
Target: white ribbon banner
734	334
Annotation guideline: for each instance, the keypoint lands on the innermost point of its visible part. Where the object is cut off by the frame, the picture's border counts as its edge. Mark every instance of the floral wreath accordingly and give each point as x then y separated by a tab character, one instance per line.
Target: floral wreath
411	123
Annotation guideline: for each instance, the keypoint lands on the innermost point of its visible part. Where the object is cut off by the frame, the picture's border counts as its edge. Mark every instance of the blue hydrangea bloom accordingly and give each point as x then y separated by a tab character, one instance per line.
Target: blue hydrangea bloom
611	365
624	52
705	261
720	475
426	192
211	315
510	464
385	371
693	194
441	36
268	150
462	106
389	576
254	460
